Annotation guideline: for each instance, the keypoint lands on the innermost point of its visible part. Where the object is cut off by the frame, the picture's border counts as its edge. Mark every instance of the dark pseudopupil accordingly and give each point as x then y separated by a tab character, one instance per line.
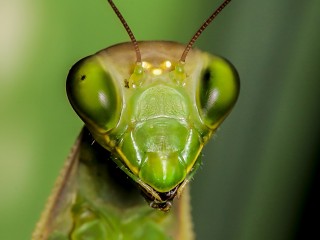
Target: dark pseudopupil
83	77
206	78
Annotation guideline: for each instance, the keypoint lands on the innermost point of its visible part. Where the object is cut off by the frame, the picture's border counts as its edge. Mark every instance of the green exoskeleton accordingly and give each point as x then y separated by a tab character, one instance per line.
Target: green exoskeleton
148	108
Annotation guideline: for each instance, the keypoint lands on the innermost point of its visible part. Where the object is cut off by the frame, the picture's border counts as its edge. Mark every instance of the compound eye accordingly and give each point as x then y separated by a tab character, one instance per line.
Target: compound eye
93	94
218	91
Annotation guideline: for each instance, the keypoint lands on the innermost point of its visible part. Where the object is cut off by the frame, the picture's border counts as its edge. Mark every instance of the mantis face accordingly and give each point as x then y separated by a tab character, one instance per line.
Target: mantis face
154	116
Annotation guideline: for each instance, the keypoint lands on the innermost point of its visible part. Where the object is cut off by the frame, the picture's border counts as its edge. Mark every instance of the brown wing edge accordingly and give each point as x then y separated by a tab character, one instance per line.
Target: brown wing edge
63	190
186	231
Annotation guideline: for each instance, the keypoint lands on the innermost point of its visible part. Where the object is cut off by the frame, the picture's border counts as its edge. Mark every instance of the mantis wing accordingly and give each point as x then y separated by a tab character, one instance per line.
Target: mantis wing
94	199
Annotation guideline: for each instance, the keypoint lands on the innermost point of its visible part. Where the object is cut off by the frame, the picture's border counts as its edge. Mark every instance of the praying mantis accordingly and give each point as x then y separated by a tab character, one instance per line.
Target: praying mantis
148	108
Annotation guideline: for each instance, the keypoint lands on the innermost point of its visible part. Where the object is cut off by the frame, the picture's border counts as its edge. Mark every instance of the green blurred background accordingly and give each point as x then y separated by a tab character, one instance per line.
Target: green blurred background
259	176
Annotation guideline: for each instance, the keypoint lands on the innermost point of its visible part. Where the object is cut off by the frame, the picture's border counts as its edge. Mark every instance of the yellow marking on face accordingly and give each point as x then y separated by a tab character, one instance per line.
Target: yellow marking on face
146	65
157	71
167	64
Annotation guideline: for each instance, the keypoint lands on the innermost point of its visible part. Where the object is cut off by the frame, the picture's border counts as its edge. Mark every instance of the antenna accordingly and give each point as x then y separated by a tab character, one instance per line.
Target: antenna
126	26
201	29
